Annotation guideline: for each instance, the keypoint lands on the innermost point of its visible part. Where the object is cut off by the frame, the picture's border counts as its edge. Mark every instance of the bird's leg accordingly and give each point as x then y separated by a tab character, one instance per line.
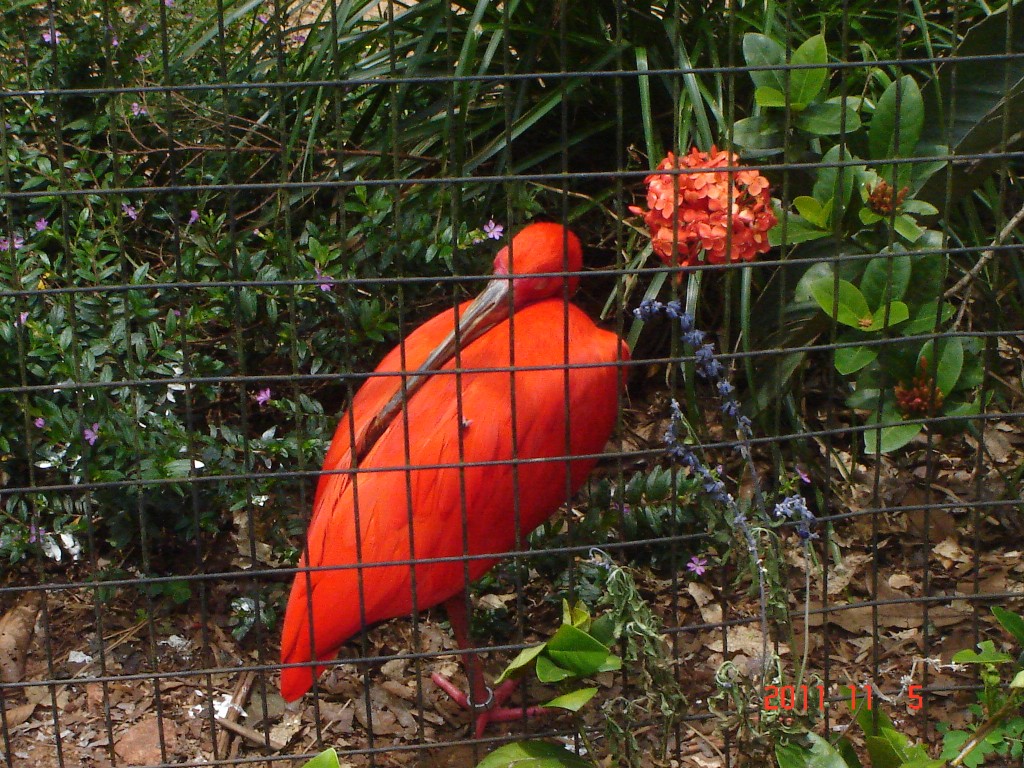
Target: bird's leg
485	703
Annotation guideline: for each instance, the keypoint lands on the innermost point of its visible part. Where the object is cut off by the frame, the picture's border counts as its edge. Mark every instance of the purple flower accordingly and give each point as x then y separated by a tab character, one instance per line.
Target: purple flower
129	211
801	472
169	3
91	434
138	109
34	534
51	39
326	282
263	396
40	422
176	312
14	243
299	37
494	230
193	216
141	57
697	565
263	18
22	319
41	224
114	41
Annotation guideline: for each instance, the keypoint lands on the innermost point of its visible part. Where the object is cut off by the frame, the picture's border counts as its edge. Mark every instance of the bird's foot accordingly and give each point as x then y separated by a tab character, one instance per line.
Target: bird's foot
491	710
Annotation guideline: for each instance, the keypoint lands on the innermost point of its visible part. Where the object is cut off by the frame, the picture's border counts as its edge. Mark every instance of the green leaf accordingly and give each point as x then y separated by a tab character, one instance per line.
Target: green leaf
970	99
522	660
766	96
1011	622
951	362
759	136
851	307
602	629
1018	680
823	754
827	119
837	183
885	278
805	84
761	51
919	208
810	209
924	320
326	759
533	754
882	753
795	229
892	437
908	121
897	313
573	701
851	359
987	654
576	651
790	755
907	227
549	672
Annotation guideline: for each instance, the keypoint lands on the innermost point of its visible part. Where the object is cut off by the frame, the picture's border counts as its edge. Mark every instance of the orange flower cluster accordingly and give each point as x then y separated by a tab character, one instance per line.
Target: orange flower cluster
883	199
691	210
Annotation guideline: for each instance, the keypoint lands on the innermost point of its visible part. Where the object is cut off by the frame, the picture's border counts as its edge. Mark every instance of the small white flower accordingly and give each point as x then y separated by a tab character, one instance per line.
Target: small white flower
51	549
261	499
71	545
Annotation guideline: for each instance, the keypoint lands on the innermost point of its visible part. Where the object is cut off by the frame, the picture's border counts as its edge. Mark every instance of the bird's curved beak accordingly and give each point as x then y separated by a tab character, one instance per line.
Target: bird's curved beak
488	309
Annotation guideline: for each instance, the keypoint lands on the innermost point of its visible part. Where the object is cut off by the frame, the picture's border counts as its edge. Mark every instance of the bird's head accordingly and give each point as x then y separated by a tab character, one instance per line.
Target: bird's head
543	249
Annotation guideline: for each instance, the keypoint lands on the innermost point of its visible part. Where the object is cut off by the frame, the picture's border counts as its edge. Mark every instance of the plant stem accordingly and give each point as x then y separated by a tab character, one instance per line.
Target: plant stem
1011	705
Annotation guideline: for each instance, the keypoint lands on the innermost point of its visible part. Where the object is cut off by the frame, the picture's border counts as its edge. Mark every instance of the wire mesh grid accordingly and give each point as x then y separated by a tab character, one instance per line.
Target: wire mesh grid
797	484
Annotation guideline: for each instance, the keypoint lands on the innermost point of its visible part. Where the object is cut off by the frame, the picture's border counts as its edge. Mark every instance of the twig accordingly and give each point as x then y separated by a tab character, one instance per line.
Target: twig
251	734
985	729
1011	225
238	701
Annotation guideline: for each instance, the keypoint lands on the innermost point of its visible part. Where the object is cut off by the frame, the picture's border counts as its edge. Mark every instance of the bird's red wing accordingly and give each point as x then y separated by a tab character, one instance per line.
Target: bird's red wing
377	390
466	496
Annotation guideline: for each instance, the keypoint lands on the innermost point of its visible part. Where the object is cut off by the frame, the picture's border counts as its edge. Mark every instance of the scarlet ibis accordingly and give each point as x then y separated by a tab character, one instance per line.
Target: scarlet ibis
449	477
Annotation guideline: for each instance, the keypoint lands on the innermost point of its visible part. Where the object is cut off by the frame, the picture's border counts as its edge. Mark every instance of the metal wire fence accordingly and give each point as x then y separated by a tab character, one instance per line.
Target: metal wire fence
801	478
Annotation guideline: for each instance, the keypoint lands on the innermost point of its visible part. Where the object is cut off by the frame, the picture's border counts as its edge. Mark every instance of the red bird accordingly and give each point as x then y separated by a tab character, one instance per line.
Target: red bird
414	488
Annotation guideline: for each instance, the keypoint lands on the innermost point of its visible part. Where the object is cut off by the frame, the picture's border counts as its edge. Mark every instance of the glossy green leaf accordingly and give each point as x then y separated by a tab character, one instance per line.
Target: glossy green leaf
549	672
827	119
823	754
951	362
533	754
326	759
851	359
905	118
892	438
851	307
576	651
924	320
766	96
834	182
758	136
573	701
907	228
1012	623
602	629
986	654
793	228
761	51
805	84
522	660
897	313
886	278
1018	680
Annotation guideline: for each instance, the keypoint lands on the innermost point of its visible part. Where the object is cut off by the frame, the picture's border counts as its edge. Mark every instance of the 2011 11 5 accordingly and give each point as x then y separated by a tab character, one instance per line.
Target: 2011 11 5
800	697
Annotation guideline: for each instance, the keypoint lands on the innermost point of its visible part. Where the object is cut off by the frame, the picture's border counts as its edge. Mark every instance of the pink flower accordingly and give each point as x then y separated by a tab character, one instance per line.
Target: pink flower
325	282
40	422
11	244
91	434
129	211
41	224
138	109
687	214
263	18
697	565
22	319
493	230
263	396
51	39
193	216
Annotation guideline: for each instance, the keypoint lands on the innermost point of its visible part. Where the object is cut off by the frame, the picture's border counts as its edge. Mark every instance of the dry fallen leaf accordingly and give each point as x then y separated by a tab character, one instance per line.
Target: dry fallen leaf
16	629
949	552
15	716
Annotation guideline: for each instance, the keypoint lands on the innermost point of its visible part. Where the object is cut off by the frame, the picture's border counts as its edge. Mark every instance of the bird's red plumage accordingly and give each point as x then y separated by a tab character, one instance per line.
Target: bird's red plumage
454	510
